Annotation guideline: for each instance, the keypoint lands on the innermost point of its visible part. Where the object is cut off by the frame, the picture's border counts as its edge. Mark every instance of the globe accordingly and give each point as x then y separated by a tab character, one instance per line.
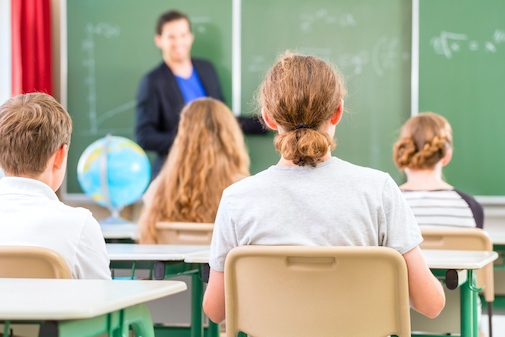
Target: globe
114	171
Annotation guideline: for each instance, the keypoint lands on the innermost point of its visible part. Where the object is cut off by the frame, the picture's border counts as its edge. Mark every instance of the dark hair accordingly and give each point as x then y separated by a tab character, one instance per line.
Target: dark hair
168	17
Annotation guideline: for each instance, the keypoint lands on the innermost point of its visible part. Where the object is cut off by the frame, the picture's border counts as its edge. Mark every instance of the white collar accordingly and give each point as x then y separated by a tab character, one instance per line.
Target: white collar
27	186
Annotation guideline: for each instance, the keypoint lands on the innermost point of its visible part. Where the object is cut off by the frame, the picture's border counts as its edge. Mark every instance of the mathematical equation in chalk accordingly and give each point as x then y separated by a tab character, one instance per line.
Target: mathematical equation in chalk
450	44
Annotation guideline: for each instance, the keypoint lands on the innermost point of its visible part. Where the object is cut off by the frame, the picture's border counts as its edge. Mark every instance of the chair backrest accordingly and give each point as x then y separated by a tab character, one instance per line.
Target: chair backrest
184	233
316	291
32	262
457	238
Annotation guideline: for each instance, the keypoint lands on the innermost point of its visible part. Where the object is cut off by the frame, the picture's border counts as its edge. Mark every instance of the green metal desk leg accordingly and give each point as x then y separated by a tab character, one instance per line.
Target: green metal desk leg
213	330
6	328
469	307
196	305
93	326
115	324
139	318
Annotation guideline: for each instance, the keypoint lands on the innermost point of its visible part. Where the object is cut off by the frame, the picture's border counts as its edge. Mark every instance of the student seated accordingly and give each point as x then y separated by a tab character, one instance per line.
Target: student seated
423	149
208	155
311	198
34	139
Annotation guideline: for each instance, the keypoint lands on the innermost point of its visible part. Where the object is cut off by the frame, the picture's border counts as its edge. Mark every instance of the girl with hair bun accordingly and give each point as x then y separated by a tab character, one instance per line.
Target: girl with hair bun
423	149
311	198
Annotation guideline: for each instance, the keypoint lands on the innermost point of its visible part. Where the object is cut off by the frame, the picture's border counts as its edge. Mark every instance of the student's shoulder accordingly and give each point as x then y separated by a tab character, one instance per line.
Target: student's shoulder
343	167
250	184
474	205
466	196
79	215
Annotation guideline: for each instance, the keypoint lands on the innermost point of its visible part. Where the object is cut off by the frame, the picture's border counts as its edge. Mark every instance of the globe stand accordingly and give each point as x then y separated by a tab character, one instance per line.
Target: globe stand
115	218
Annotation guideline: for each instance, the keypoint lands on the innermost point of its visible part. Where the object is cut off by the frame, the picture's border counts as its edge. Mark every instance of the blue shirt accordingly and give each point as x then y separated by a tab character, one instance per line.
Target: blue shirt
191	88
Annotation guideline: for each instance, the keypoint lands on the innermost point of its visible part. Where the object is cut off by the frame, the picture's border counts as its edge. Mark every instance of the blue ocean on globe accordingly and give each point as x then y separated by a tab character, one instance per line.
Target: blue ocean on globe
119	162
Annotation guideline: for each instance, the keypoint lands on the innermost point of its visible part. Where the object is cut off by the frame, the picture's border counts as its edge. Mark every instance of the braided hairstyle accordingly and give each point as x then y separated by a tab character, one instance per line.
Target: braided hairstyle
424	141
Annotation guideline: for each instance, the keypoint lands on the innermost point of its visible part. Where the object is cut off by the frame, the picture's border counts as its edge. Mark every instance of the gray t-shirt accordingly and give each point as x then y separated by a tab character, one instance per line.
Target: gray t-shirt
334	204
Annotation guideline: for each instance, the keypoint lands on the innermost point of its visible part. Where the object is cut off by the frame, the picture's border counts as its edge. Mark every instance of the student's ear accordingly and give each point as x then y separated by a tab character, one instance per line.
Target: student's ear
447	158
337	115
268	121
60	156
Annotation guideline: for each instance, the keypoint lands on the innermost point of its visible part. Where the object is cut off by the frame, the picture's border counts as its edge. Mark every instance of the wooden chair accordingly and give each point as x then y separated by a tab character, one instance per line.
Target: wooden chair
184	233
456	238
316	291
32	262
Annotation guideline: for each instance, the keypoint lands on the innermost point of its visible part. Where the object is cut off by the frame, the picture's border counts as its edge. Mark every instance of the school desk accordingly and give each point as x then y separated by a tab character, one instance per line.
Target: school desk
164	262
459	267
127	232
82	307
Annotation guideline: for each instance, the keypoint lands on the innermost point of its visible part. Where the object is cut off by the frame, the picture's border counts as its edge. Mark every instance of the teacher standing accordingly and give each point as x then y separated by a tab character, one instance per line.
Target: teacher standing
165	90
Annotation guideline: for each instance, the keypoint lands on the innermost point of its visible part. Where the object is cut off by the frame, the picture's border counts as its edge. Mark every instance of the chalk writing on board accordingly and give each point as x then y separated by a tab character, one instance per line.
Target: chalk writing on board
258	64
449	44
200	23
322	16
385	55
355	62
107	31
499	36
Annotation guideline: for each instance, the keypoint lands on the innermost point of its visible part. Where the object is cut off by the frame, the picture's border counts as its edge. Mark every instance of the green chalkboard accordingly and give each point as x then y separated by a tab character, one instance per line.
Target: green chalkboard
462	76
110	46
370	42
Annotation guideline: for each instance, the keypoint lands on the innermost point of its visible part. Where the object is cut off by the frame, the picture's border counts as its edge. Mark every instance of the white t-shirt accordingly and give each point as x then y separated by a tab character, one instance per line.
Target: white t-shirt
32	215
334	204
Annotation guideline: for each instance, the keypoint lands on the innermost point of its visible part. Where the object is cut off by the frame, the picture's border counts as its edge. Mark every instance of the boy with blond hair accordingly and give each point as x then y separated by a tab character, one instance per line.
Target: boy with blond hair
34	139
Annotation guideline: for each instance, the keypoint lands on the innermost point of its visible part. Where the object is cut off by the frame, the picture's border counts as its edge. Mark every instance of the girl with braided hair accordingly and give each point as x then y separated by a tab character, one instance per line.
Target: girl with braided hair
423	149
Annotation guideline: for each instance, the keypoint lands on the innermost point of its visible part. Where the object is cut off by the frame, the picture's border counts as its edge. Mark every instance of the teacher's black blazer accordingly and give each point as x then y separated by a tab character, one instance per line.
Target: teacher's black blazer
159	104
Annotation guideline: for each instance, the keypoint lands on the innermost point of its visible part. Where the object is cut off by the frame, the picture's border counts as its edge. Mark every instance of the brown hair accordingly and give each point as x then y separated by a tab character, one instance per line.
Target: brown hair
208	155
424	141
300	93
32	127
169	17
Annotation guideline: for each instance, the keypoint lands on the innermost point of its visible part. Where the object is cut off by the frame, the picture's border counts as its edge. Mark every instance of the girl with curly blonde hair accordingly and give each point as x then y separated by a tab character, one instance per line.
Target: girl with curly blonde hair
208	155
423	149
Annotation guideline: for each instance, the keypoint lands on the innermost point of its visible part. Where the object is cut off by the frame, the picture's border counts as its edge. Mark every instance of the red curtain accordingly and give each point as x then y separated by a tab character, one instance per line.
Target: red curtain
31	46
